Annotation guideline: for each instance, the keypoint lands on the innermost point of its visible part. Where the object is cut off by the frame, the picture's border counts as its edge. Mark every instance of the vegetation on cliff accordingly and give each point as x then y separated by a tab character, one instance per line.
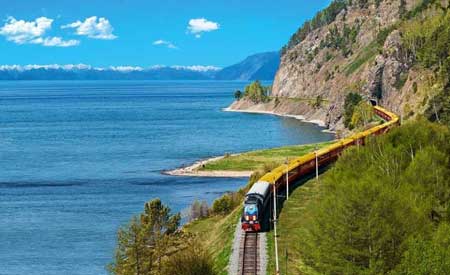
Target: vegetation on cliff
322	18
396	50
427	41
383	208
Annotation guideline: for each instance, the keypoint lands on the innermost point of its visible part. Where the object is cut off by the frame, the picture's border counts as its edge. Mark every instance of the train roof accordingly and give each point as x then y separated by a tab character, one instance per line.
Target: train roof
260	188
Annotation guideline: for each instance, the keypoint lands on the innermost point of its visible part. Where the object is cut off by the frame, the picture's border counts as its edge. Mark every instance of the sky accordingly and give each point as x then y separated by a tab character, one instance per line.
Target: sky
146	32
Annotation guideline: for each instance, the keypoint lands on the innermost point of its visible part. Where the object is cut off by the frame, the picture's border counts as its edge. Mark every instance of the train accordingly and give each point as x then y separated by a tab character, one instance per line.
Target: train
259	196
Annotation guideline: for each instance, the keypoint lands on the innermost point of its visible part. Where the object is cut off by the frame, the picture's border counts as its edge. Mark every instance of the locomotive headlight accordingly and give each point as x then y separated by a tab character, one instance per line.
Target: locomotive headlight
246	217
254	218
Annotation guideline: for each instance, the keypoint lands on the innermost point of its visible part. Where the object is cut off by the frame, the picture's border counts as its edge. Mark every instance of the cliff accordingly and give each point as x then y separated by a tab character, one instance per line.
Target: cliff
353	46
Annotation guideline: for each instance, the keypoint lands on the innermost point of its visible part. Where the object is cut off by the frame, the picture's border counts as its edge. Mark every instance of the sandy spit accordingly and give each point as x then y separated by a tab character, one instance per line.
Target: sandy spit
192	171
321	123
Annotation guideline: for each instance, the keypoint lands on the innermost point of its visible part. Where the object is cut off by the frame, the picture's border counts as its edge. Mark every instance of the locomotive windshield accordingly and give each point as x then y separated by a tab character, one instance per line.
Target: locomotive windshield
251	209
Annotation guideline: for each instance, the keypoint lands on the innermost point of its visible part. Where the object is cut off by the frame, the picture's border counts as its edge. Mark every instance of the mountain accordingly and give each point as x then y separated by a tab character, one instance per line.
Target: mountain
394	51
86	72
262	66
259	66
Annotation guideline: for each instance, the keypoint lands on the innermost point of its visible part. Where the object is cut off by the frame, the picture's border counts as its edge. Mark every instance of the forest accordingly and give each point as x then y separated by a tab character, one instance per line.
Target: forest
384	208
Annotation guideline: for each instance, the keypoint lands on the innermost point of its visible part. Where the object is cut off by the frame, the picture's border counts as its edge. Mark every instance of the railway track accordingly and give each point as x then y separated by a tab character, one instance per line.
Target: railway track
250	254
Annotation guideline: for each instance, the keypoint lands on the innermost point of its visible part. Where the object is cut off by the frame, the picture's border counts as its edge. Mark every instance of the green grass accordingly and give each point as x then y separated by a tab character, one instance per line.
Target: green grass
366	54
255	160
290	228
217	233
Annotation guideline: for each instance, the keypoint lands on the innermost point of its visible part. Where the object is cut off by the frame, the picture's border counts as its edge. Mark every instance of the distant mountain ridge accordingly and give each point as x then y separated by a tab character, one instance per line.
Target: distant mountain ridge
262	66
259	66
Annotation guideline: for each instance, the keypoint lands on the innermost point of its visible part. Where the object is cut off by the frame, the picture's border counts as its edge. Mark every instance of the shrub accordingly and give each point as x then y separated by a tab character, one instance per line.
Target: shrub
223	205
193	260
198	210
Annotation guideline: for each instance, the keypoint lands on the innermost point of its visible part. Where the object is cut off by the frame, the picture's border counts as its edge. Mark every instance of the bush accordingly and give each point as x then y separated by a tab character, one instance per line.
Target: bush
195	259
223	205
198	210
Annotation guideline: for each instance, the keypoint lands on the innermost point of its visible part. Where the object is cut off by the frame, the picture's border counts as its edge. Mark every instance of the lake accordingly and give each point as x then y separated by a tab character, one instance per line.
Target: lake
78	159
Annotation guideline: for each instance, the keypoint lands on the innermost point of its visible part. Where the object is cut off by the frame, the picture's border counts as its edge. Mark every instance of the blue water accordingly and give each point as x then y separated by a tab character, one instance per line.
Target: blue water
78	159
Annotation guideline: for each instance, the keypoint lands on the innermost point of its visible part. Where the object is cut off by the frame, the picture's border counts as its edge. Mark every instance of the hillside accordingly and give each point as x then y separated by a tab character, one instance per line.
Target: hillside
393	50
378	210
262	66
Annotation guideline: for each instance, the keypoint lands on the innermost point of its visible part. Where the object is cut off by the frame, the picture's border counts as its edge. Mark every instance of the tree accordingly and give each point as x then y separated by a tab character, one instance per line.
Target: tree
145	241
223	205
378	198
351	100
256	92
362	114
131	253
238	95
427	257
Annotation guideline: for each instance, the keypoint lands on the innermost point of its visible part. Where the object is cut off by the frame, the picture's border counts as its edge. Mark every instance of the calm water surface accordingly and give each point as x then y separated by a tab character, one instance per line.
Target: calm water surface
78	159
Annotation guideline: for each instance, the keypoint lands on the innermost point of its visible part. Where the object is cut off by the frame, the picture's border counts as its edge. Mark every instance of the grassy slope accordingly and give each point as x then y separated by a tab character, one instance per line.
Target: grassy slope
217	232
290	223
255	160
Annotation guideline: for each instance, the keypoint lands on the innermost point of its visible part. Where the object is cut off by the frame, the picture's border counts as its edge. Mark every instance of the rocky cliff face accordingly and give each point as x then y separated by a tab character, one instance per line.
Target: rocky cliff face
359	51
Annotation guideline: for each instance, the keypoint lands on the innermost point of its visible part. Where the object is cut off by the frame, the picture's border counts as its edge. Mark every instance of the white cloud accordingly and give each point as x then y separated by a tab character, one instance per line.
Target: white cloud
55	42
198	26
22	32
32	32
168	44
93	28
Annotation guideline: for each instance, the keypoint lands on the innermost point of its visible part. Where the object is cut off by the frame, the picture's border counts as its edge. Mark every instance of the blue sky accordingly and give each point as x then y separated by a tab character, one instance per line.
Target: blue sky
146	32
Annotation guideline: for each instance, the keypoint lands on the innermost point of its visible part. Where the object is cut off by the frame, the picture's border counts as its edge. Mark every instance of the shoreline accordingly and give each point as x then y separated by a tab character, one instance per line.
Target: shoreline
318	122
192	170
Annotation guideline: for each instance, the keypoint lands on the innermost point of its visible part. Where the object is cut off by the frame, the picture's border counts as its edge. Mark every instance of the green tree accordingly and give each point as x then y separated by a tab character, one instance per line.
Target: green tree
378	198
131	253
362	114
351	100
223	205
144	242
427	257
256	92
238	95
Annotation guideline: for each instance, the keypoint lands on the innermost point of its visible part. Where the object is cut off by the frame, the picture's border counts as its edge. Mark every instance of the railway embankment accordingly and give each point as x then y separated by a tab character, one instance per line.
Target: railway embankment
220	232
